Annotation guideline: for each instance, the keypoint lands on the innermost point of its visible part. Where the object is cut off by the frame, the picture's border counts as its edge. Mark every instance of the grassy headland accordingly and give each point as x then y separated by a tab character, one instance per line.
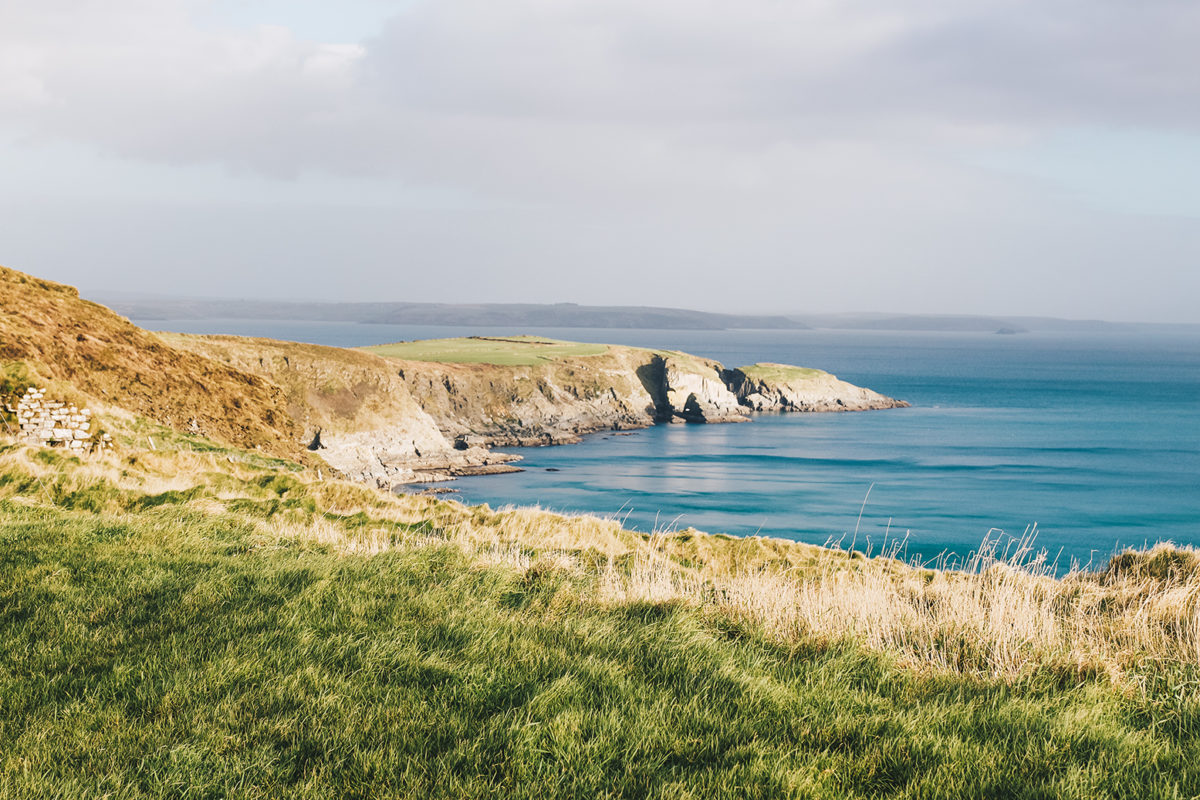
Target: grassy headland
506	351
779	373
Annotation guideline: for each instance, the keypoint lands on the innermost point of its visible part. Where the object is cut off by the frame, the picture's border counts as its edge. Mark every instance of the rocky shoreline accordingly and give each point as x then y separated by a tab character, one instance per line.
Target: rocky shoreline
481	407
390	421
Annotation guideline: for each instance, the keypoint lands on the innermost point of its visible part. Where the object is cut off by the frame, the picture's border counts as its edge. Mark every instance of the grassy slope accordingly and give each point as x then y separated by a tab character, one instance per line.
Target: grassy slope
507	351
255	635
202	621
157	655
86	353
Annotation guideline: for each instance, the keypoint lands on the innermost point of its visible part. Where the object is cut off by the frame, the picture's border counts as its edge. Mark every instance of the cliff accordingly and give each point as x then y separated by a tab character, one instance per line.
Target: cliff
354	409
408	412
782	387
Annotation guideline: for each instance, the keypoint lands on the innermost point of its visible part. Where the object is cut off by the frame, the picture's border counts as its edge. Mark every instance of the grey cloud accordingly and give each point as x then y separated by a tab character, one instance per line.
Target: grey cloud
821	147
457	76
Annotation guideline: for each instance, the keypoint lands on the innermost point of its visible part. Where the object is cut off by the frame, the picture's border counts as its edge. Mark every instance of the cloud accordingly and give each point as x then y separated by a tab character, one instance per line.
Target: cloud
464	80
831	147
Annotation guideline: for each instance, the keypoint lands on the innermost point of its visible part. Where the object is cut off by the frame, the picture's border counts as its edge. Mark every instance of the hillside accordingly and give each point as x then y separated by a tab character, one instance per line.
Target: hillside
61	338
517	315
570	315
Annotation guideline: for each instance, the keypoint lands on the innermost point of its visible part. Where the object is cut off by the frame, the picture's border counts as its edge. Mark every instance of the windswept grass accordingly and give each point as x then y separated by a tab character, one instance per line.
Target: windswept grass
503	351
185	624
994	618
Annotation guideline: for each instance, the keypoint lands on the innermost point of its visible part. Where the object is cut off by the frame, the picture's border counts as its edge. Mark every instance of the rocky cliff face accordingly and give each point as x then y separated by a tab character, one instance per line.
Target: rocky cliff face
389	421
549	403
695	391
781	387
352	408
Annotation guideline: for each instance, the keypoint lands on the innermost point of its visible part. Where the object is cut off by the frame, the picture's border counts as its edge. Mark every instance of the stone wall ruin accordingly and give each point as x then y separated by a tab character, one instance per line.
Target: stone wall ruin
55	424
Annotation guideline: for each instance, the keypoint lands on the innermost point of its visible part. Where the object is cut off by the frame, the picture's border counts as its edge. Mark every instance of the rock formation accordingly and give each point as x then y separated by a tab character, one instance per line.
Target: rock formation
695	391
781	387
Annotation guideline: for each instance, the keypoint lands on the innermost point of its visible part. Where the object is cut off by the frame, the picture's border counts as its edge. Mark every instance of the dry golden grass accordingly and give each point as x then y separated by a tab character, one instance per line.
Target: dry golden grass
996	616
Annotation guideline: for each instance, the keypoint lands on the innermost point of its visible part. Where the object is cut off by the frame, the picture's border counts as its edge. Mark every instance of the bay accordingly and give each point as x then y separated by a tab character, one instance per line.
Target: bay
1093	437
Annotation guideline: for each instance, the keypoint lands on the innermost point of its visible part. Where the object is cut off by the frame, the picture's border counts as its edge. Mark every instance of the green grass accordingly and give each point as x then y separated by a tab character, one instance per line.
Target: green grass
505	351
176	652
779	373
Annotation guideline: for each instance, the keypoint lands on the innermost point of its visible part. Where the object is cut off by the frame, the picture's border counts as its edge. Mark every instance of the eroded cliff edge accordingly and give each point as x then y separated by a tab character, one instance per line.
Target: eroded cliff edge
392	420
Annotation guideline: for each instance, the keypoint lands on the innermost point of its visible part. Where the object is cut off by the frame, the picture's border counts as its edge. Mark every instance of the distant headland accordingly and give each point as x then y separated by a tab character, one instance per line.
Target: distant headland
147	308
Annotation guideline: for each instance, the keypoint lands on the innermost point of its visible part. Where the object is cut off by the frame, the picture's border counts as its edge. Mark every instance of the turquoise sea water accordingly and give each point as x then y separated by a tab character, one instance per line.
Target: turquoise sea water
1093	437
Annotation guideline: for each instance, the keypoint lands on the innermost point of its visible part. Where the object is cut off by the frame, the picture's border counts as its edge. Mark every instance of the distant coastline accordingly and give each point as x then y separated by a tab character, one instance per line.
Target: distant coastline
148	308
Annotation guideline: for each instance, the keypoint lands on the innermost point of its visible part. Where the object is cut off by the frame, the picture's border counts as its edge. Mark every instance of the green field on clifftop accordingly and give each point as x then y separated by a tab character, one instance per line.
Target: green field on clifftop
509	351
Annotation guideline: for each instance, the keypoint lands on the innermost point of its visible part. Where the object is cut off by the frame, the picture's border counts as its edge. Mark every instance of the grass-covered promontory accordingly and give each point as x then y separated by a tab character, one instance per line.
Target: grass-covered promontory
193	622
508	351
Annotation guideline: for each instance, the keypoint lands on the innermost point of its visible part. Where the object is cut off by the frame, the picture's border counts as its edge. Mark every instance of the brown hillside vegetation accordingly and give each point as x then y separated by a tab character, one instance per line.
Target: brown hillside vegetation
61	337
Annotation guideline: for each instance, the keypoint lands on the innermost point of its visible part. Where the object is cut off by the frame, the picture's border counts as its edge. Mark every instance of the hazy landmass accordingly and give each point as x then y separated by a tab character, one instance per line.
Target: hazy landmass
556	315
146	308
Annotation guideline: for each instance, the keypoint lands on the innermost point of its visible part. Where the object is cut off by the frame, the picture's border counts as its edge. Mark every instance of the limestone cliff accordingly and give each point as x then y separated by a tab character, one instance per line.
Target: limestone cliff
695	390
553	402
781	387
353	408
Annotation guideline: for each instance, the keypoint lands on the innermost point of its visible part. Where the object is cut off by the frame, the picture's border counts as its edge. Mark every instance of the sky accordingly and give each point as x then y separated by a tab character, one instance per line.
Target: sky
1032	157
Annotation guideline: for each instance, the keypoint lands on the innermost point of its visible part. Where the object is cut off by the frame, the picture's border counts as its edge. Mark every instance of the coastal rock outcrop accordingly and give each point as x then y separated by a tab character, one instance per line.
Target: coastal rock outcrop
554	402
782	387
695	392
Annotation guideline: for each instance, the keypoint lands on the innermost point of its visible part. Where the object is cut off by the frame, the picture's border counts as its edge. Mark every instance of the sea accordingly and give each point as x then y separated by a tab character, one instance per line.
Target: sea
1082	442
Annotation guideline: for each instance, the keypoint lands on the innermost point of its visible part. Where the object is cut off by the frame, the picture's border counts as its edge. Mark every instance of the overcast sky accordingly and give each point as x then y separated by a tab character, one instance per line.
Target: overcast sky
940	156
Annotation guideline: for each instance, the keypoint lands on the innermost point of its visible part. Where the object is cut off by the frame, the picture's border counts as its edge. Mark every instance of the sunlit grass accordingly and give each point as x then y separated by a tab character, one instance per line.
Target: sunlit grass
178	623
505	351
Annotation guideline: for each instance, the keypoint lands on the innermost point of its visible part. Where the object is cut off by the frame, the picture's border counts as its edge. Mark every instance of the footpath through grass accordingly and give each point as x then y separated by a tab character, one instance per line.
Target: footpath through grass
177	652
502	351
